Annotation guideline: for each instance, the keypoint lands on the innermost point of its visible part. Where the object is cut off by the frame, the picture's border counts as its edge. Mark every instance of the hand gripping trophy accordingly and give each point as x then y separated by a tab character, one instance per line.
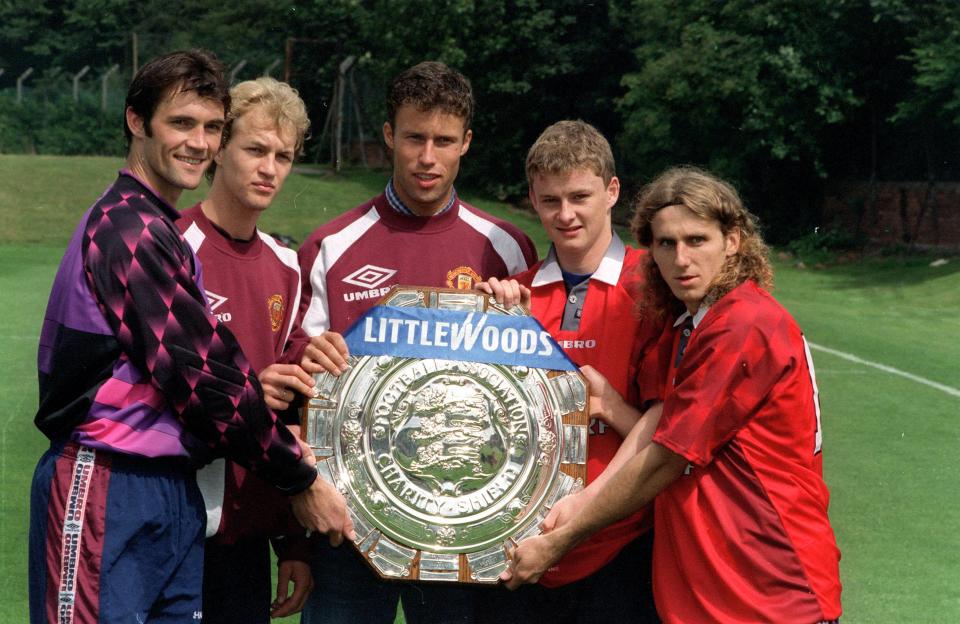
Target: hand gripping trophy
451	434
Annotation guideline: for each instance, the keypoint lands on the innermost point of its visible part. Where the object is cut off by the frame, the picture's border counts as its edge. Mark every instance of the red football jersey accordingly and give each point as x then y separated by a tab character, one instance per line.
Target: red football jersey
607	339
743	534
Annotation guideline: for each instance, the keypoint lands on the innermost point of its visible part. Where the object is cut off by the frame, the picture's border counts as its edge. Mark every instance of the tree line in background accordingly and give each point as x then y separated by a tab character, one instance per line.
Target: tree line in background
783	97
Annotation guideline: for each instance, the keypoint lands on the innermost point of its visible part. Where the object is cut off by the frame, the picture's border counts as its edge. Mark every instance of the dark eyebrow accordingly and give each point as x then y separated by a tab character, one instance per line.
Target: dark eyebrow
668	203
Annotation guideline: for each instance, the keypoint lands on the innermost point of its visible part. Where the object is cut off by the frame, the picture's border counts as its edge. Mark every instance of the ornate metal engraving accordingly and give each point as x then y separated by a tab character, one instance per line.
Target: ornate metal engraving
446	464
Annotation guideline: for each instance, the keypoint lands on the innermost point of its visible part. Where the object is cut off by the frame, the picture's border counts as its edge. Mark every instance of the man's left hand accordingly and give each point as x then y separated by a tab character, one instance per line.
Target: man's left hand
529	560
297	573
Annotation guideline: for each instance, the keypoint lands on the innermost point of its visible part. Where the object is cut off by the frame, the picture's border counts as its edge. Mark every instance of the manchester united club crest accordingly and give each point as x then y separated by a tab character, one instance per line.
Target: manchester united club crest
462	278
275	308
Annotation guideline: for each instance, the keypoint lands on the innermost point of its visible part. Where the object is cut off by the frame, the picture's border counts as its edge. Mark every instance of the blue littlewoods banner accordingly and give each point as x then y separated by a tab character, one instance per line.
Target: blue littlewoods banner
453	335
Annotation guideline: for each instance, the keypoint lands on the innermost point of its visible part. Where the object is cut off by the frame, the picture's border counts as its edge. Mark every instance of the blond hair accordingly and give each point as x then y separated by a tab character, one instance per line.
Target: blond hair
277	100
711	198
569	145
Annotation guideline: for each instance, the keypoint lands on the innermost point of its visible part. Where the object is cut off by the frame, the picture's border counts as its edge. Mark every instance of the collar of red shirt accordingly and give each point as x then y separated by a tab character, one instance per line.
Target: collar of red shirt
608	272
702	312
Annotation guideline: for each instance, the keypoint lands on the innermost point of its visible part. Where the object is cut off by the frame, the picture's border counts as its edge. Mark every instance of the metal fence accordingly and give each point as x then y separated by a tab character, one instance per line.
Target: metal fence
54	111
104	84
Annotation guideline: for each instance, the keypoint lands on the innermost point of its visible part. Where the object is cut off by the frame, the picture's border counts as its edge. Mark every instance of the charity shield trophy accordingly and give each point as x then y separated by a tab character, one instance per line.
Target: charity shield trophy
446	464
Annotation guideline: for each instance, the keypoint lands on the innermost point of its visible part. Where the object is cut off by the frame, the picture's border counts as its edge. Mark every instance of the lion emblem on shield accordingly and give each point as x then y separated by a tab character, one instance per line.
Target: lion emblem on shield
451	436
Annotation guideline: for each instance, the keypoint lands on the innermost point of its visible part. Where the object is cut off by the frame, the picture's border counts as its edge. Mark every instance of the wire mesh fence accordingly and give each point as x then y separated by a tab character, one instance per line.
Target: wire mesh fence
55	111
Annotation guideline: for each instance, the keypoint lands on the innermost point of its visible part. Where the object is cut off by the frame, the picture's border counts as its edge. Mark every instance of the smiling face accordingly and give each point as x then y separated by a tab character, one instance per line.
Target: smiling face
182	138
253	165
574	208
690	252
427	146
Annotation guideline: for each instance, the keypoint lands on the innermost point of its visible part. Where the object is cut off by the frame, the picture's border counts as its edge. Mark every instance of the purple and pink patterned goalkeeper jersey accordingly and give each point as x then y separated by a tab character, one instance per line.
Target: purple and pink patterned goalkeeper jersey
131	360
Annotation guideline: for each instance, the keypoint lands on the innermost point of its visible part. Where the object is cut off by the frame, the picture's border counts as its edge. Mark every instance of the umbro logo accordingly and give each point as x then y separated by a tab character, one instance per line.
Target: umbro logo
369	276
215	300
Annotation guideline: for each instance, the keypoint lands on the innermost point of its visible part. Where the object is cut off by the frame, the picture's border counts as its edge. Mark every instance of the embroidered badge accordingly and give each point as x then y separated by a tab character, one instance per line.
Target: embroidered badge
462	277
275	307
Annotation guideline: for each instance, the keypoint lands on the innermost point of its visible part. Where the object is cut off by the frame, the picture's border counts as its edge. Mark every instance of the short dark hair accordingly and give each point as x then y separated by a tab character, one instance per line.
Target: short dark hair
568	145
431	85
184	70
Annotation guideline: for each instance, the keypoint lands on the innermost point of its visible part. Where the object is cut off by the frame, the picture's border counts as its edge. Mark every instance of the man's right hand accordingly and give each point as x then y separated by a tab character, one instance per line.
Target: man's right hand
322	508
326	353
281	382
607	405
507	292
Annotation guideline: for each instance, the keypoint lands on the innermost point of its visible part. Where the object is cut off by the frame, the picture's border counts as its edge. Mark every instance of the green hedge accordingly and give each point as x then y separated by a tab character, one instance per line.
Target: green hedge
57	124
821	246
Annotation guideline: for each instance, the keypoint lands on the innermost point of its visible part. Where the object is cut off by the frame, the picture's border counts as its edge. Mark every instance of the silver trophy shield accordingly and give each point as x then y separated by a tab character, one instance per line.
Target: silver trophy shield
445	465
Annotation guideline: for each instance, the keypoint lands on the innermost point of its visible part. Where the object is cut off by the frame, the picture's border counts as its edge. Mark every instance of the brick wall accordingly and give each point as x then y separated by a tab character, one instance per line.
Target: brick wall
912	213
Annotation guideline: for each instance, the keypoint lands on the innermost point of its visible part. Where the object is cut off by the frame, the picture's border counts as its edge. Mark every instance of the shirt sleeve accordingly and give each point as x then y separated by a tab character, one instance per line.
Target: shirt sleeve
532	256
141	273
313	317
293	354
528	248
296	344
727	372
292	547
654	341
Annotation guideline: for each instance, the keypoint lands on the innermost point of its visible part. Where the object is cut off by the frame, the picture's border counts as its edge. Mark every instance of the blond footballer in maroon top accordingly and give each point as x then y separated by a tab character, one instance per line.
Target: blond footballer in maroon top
252	284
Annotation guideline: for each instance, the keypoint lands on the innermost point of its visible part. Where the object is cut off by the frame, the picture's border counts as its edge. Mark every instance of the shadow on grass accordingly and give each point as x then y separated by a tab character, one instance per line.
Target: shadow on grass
879	271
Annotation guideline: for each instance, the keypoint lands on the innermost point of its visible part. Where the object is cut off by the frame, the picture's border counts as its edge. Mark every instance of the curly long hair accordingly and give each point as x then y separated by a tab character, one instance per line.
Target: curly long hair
708	197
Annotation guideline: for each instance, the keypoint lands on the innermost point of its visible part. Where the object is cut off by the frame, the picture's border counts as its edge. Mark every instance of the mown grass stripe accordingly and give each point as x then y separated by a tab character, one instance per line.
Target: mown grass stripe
888	369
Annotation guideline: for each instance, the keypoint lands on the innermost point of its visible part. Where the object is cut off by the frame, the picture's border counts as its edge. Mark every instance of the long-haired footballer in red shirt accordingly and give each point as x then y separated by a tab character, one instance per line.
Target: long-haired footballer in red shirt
741	527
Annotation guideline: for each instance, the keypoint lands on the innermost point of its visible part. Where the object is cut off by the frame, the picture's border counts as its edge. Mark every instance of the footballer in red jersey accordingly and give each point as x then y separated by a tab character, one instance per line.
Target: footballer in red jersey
735	464
585	293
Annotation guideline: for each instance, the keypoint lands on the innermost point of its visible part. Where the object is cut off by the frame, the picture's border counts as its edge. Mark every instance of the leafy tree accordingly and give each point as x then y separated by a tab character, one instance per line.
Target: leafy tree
531	63
928	114
534	63
20	22
783	97
751	90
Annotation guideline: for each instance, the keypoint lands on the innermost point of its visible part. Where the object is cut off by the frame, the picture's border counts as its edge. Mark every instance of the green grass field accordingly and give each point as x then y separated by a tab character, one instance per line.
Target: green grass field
891	443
